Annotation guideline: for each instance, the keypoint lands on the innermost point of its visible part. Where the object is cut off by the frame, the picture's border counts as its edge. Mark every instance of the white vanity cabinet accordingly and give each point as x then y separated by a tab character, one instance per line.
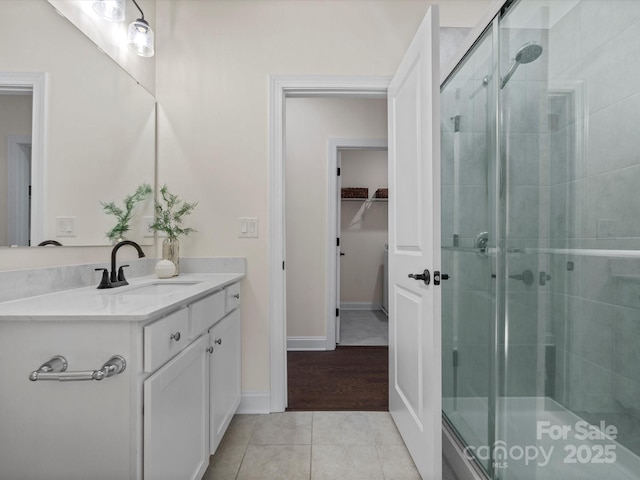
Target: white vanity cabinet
189	402
158	418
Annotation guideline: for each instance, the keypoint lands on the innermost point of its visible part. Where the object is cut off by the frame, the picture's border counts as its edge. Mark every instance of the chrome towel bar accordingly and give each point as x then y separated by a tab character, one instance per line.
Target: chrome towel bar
55	369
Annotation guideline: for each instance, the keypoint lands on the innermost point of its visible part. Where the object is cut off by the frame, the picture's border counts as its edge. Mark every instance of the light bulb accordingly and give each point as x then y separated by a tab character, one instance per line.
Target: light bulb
140	38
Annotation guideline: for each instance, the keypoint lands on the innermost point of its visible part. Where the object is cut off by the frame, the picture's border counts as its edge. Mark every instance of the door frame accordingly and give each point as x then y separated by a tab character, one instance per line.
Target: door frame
336	145
23	83
281	88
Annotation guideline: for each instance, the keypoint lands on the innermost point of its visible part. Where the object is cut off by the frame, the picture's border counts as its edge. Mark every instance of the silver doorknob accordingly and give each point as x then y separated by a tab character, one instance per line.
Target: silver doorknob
425	276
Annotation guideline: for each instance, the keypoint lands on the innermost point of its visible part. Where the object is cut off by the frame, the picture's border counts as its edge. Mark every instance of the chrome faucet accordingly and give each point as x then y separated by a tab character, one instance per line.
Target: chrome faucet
117	279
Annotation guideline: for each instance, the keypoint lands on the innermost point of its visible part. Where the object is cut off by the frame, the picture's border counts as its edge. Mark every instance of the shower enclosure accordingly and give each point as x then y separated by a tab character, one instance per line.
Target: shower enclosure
541	237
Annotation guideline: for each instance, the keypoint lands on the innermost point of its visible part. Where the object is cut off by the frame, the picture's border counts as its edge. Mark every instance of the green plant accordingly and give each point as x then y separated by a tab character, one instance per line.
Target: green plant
169	216
123	215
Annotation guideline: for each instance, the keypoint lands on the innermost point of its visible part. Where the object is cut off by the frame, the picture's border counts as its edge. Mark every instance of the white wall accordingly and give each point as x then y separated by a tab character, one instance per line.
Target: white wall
15	119
213	63
364	229
311	122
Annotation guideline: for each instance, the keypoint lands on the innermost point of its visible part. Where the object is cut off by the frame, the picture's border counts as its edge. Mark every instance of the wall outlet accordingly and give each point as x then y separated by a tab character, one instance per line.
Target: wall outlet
65	226
248	227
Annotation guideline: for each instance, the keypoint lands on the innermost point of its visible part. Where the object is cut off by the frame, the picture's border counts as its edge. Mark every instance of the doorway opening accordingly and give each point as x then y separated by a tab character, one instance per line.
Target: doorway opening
283	88
319	131
362	225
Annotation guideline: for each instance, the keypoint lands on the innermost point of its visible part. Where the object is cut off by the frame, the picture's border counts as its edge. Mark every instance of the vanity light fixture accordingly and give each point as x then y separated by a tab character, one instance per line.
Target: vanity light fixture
112	10
140	37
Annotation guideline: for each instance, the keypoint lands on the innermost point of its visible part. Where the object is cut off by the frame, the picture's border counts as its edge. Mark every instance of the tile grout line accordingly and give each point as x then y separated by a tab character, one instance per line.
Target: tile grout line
377	445
246	447
313	418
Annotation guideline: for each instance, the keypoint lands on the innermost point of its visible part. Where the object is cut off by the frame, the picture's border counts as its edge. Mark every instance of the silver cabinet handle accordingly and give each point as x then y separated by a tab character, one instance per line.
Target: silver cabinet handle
55	369
218	341
175	336
210	349
237	296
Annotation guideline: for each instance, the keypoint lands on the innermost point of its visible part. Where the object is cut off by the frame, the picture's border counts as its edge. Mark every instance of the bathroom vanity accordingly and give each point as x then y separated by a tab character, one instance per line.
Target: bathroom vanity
158	416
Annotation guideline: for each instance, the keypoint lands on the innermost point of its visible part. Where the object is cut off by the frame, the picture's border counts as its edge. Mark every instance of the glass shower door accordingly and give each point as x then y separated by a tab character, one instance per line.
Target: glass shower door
569	389
468	253
541	239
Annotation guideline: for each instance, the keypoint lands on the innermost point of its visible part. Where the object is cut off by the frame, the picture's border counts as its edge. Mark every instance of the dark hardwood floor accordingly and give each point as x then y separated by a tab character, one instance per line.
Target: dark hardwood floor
348	378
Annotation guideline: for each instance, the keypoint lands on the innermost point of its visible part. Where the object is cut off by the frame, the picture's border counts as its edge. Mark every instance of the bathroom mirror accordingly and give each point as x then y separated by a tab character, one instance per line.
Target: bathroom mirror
97	138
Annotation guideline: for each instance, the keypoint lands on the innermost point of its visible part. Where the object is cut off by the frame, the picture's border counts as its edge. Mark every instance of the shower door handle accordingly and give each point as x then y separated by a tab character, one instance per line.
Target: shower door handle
425	276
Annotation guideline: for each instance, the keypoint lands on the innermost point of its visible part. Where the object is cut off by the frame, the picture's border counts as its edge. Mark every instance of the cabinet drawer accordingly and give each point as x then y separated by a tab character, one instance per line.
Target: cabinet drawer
206	312
164	338
233	296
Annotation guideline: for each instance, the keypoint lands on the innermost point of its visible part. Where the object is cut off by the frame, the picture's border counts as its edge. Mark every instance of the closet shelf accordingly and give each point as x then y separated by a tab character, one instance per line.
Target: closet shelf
364	199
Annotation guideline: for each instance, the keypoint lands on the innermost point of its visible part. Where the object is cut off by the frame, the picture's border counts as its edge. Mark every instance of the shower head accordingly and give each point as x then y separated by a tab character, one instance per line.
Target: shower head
527	53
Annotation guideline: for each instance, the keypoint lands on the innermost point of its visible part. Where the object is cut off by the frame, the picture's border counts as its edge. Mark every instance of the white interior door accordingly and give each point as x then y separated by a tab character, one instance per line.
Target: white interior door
339	253
414	246
19	189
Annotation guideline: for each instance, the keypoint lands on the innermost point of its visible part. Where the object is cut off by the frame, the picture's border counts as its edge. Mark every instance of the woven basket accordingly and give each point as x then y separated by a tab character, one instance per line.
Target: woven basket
382	193
355	192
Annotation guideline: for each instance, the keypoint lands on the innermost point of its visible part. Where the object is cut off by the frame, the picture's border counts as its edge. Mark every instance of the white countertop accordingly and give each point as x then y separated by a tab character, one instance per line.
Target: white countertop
115	304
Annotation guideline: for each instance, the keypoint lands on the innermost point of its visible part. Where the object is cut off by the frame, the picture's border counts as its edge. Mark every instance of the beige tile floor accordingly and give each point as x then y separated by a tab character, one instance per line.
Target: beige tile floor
312	445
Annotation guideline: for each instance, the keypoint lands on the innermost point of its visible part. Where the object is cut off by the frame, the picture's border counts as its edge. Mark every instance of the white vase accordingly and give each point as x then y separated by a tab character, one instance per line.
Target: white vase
171	252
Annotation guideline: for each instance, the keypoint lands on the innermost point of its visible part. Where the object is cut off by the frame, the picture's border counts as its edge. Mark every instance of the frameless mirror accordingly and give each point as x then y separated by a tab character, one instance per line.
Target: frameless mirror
75	130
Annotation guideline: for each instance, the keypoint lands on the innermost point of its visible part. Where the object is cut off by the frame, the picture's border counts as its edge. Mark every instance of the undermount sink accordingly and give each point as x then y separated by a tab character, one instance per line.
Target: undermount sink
156	288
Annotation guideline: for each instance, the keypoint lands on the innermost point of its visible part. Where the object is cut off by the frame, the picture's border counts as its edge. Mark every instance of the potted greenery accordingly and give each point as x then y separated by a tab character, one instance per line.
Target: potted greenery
123	215
168	219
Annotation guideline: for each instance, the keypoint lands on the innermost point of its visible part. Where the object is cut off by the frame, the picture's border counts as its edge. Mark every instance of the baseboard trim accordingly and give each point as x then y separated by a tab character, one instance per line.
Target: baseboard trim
464	468
255	403
360	306
306	343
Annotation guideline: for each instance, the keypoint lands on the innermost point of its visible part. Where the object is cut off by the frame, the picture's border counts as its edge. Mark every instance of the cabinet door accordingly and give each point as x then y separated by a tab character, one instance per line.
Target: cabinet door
225	375
176	416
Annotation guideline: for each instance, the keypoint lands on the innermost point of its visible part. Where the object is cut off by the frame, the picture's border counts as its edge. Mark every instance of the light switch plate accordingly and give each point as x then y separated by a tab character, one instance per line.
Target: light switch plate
65	226
248	227
147	221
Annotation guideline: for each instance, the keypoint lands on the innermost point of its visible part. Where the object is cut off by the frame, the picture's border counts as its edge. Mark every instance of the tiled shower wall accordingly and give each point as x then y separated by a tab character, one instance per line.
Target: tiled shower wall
594	204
